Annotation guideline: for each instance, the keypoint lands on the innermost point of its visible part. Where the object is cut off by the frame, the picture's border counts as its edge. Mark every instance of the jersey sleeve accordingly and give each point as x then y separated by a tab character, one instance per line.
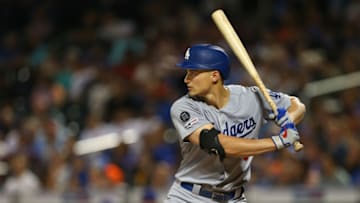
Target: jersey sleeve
187	116
281	100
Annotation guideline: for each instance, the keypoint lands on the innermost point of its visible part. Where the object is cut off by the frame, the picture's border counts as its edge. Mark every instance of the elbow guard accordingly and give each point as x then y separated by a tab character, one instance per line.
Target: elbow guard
209	142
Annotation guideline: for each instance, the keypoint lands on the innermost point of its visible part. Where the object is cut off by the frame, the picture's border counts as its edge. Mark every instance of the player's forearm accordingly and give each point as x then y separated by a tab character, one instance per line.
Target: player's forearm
296	110
239	147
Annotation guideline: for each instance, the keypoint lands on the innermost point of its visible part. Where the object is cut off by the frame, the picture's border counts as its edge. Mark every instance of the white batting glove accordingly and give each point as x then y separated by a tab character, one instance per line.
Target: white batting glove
288	136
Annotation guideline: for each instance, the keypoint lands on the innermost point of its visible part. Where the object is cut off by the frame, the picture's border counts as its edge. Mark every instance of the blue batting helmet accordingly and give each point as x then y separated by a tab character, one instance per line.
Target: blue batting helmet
206	57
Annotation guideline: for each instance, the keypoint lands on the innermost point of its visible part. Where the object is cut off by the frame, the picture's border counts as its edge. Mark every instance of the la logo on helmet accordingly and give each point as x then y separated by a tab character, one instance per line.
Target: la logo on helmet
187	54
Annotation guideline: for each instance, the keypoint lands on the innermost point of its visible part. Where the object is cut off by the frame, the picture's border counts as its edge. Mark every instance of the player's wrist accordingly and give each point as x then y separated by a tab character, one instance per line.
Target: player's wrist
278	142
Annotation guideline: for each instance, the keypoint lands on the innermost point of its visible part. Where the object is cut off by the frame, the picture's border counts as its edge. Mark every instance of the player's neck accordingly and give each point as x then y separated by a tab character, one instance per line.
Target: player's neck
218	97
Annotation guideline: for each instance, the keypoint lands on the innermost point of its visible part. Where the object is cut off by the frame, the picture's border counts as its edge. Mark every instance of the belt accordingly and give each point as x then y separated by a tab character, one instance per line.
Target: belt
216	196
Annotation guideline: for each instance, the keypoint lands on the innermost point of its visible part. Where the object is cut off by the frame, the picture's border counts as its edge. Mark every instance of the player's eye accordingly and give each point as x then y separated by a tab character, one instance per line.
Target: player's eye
190	73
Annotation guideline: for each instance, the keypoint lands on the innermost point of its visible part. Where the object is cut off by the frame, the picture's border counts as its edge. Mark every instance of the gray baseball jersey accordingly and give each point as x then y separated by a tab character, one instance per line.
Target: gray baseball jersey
243	116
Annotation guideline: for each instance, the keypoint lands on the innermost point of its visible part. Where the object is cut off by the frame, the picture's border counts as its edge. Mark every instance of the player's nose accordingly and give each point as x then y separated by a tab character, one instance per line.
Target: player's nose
186	78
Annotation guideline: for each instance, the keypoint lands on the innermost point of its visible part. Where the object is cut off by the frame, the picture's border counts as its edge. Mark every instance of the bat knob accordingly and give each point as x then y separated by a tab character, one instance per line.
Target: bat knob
298	146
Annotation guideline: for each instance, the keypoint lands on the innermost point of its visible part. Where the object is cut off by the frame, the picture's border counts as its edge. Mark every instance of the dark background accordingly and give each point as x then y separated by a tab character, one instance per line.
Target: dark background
83	68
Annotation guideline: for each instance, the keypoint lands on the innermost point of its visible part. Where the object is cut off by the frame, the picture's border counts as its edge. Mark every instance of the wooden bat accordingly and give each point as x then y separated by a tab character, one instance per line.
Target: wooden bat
238	48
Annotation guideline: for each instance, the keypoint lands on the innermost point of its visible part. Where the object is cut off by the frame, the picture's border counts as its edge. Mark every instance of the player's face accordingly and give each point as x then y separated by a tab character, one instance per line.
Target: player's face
198	82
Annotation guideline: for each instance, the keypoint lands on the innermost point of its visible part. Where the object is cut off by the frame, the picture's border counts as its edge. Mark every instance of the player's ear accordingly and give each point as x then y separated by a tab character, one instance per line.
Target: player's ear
215	75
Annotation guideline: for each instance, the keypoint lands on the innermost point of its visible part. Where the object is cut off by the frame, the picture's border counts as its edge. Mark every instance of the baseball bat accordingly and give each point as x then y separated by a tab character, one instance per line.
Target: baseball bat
238	48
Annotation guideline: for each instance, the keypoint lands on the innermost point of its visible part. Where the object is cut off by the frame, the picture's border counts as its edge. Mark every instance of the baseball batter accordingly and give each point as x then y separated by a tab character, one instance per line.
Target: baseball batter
219	127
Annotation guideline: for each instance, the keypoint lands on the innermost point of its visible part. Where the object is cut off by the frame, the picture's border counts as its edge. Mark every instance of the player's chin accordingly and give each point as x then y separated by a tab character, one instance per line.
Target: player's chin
192	92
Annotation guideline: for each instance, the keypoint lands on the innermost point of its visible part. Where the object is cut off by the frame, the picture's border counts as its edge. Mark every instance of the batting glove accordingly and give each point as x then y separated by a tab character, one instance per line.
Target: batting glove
282	118
288	136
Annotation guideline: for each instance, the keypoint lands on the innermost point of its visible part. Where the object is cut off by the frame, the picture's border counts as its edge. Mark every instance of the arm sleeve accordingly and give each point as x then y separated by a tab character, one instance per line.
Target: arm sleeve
187	116
281	100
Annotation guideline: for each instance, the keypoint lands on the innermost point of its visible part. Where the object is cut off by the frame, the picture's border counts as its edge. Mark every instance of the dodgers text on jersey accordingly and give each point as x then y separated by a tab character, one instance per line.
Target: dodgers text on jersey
240	129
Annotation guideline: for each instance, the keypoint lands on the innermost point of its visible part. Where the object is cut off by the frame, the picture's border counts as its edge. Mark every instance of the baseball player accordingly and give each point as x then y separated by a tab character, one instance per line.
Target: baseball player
219	127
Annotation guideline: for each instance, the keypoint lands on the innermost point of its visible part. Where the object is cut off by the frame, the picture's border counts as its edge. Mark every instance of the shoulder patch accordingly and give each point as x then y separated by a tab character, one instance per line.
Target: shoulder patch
184	116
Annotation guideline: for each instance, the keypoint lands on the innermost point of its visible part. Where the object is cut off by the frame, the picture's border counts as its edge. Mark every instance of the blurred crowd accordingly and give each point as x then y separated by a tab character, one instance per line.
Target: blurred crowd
74	70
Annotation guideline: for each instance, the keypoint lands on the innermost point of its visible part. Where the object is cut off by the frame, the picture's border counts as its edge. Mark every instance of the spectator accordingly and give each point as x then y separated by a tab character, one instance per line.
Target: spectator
22	181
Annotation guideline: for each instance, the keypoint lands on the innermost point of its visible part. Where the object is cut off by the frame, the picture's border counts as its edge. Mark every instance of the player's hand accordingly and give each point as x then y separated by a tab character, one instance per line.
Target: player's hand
282	118
288	136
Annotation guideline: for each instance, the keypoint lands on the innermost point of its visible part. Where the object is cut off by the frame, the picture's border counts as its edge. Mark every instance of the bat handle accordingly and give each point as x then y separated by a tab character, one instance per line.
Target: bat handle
298	146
